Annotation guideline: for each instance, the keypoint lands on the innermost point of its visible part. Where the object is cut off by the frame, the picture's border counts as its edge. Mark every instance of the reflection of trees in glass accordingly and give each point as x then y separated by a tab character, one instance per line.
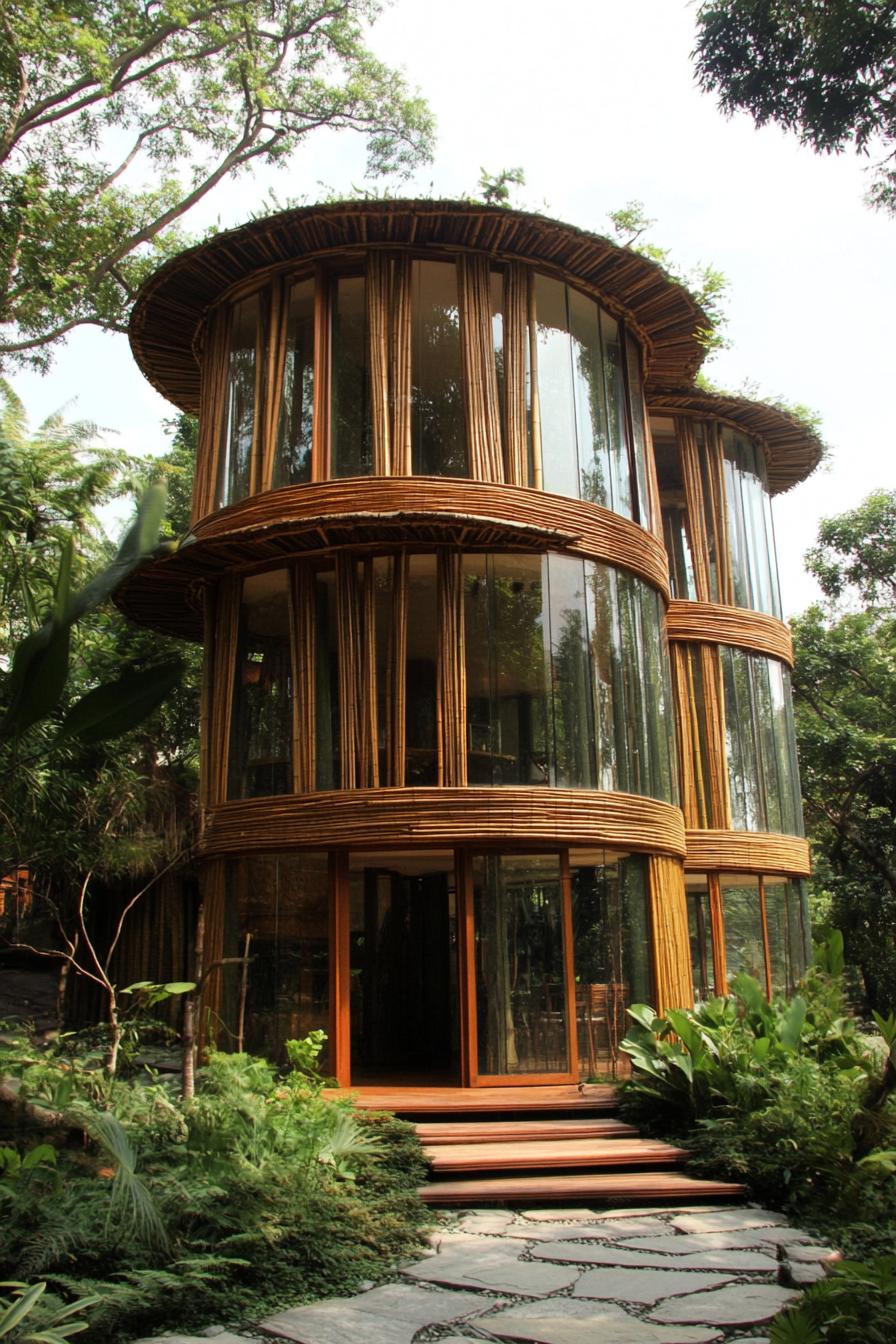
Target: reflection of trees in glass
744	950
751	540
610	954
761	744
520	965
261	728
351	431
574	765
438	430
292	460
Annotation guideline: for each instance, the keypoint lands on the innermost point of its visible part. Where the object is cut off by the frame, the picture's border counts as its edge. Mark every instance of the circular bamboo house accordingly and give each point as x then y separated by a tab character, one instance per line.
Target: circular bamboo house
456	504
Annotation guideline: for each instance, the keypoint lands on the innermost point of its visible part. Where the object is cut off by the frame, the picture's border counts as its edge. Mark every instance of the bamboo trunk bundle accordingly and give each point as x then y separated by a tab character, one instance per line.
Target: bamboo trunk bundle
272	365
747	852
378	286
674	985
534	395
348	657
712	623
215	361
716	737
225	646
366	691
696	506
396	690
451	691
718	504
483	419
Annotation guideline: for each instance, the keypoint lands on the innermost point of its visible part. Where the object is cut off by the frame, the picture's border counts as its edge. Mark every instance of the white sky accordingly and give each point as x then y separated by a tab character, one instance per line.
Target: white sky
596	100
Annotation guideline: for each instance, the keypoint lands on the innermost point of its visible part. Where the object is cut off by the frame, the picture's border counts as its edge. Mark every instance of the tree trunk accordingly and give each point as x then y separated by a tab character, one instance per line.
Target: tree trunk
188	1034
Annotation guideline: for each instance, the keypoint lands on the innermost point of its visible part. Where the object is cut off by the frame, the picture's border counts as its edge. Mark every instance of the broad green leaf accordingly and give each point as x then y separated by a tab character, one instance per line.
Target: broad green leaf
179	987
37	680
792	1023
118	706
643	1014
139	543
19	1309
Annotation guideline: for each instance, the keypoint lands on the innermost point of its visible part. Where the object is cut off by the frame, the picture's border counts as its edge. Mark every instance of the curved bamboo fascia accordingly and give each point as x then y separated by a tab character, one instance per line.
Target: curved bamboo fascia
509	818
368	512
747	852
712	623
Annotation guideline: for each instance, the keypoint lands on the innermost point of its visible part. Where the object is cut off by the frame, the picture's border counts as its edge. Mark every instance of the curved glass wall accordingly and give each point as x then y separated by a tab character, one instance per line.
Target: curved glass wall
762	925
716	514
343	675
763	774
452	367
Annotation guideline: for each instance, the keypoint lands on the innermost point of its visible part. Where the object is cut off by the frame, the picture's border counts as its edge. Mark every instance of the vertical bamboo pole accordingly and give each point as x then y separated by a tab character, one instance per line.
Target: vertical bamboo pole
717	921
466	970
378	282
516	446
340	971
451	690
274	367
671	941
534	400
320	421
400	365
396	690
214	361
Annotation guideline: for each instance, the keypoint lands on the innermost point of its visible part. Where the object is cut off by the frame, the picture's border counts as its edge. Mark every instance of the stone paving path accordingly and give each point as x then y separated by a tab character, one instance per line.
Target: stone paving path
574	1276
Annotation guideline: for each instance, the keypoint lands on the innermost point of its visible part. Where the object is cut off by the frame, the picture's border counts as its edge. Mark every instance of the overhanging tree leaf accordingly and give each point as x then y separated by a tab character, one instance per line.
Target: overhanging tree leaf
120	705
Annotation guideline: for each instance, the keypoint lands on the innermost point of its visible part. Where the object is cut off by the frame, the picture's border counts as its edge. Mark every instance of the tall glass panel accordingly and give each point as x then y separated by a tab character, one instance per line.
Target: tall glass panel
590	392
403	959
609	710
700	936
555	389
420	672
351	442
438	432
277	917
673	506
614	377
611	951
520	965
574	763
292	460
781	954
235	457
639	429
260	759
507	669
751	539
761	741
709	491
744	949
326	682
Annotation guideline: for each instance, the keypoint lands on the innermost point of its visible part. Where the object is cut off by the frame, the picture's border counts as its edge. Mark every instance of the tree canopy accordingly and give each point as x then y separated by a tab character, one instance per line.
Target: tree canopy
845	694
823	68
116	118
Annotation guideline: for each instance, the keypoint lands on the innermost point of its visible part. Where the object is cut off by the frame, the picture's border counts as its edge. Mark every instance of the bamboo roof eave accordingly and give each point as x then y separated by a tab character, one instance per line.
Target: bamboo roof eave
793	449
171	306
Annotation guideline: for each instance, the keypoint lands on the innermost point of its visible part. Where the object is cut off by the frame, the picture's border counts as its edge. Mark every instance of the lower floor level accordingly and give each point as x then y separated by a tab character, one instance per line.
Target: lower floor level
478	967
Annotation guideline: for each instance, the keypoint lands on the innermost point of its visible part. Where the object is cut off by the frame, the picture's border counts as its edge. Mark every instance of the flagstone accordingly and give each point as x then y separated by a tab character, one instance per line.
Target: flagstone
682	1243
496	1270
390	1315
645	1286
566	1321
727	1220
604	1253
738	1304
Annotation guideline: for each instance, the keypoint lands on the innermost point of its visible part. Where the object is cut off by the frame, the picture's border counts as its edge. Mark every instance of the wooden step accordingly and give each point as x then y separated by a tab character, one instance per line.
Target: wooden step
630	1186
593	1098
537	1155
434	1132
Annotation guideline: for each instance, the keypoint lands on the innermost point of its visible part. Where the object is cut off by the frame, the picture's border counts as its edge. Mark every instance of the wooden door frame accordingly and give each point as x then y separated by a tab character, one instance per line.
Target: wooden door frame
467	958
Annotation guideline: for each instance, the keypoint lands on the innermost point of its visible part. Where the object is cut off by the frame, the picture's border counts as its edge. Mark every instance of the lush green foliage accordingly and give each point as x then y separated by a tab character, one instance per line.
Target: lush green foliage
823	68
845	701
116	119
856	1305
786	1096
256	1193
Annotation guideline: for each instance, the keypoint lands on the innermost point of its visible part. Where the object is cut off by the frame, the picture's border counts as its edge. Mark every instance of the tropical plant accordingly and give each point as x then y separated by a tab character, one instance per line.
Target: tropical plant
856	1304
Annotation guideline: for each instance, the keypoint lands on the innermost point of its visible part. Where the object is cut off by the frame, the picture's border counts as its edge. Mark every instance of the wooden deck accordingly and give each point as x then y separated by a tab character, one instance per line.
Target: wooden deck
474	1100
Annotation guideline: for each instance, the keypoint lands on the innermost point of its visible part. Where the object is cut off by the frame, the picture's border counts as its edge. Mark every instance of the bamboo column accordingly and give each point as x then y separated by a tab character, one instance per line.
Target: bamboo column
451	690
396	687
275	317
378	286
480	377
304	700
516	439
696	506
673	981
400	365
214	364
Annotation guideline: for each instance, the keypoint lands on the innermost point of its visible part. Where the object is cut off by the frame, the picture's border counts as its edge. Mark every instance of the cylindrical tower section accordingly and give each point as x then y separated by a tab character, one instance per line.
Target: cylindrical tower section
719	460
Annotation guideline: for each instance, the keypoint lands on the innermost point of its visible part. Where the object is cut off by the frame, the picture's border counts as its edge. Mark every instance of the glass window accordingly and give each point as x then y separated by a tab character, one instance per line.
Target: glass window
595	470
573	704
235	457
351	447
507	669
761	743
750	536
560	462
403	966
787	932
744	948
277	916
614	380
421	743
639	432
326	682
292	460
260	760
520	964
611	951
673	506
438	433
700	936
